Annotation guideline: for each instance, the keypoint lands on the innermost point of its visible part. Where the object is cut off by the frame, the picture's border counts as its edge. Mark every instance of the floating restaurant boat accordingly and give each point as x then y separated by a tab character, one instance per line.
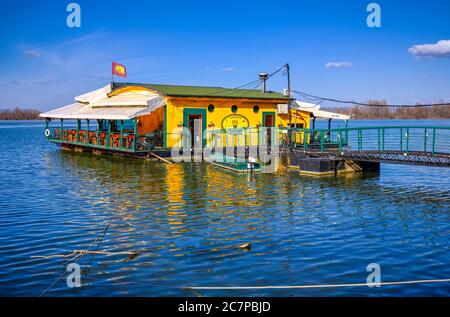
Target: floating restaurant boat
134	119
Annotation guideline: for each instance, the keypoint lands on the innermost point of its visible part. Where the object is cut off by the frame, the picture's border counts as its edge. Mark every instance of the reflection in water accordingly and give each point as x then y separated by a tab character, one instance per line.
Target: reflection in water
184	220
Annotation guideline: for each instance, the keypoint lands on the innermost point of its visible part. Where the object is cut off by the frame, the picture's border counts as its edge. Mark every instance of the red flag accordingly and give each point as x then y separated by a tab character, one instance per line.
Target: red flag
119	70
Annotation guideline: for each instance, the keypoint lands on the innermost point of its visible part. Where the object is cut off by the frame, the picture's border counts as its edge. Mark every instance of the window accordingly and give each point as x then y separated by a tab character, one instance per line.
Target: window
211	108
234	108
256	109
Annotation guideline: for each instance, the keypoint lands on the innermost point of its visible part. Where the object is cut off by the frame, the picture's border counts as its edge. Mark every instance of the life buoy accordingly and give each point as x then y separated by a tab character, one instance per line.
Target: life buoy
47	132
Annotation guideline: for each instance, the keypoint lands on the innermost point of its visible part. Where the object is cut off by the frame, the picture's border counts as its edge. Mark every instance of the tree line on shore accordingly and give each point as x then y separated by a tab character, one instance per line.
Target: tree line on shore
19	114
379	110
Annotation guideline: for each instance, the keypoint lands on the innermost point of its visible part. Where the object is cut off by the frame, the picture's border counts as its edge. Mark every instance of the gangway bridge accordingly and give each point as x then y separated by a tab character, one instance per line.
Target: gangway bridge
417	145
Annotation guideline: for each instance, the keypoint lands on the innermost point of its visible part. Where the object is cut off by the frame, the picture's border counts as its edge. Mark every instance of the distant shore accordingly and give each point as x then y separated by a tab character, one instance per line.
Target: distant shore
19	114
380	110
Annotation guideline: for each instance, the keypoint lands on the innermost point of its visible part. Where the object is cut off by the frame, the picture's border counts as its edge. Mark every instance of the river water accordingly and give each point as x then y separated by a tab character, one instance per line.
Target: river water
185	221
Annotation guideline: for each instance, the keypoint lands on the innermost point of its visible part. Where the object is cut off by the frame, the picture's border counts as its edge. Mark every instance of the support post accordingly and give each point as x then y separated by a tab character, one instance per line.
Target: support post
86	140
78	130
134	132
121	134
99	122
62	132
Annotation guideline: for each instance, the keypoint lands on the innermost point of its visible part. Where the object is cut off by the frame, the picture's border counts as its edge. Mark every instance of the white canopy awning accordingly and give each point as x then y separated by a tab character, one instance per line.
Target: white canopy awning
98	105
317	113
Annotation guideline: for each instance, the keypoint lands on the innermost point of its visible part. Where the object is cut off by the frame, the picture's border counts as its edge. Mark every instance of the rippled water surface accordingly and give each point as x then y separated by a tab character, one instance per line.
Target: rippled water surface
185	220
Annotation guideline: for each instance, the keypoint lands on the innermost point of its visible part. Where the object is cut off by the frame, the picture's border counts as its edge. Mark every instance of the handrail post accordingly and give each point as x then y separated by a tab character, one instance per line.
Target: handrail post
340	140
401	139
434	140
322	140
379	140
346	132
360	140
425	140
407	139
305	141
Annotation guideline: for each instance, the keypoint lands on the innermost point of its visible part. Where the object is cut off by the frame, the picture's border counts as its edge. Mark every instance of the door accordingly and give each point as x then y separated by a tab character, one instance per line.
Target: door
194	119
268	123
195	127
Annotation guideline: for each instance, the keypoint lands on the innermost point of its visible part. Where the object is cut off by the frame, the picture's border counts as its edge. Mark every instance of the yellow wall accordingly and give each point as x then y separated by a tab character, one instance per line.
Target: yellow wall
153	122
176	105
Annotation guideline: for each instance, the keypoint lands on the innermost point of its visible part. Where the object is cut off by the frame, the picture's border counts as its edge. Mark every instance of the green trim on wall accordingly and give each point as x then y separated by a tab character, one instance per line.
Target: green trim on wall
189	111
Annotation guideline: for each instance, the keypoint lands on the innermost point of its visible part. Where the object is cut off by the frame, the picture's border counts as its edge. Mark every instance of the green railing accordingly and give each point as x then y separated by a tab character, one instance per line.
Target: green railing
245	137
404	139
118	141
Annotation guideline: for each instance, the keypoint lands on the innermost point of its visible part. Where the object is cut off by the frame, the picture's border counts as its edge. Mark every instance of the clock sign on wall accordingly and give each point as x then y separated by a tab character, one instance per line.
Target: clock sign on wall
235	121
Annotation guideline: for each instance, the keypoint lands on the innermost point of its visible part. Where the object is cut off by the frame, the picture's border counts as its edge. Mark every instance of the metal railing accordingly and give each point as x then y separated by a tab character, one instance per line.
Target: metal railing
125	141
403	139
245	137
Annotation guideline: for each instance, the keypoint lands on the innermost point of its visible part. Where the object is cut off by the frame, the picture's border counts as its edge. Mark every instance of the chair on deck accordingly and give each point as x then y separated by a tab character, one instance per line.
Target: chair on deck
57	134
92	138
115	140
102	138
129	139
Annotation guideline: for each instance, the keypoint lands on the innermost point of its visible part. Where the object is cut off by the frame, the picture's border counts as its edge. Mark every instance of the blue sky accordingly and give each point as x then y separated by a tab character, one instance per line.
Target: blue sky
44	63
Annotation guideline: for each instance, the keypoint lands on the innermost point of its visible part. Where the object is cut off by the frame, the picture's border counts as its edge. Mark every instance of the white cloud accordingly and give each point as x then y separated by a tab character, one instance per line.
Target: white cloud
228	69
338	64
32	53
439	49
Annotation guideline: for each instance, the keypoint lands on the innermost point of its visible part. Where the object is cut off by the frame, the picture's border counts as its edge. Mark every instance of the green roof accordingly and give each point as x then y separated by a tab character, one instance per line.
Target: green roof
203	91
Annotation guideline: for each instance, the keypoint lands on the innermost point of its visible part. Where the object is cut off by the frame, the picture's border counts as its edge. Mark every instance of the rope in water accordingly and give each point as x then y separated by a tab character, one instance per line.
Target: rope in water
77	258
314	286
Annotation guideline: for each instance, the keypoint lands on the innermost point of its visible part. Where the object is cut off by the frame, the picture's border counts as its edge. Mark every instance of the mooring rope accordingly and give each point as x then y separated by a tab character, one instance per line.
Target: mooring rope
77	258
313	286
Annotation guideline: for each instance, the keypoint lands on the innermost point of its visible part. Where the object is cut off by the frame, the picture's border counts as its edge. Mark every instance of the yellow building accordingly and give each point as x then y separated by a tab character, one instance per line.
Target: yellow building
116	115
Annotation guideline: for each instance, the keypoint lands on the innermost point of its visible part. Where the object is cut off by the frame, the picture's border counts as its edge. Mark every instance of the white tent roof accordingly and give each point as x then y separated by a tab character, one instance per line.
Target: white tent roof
316	112
98	105
94	95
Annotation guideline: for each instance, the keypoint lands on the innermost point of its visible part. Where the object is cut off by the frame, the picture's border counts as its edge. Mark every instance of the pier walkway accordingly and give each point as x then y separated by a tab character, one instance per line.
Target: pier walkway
424	145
